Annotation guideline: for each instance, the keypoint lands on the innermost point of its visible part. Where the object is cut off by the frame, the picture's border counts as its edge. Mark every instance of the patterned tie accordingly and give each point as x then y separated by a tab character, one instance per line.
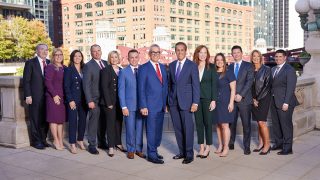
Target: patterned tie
236	71
158	73
178	71
101	65
276	72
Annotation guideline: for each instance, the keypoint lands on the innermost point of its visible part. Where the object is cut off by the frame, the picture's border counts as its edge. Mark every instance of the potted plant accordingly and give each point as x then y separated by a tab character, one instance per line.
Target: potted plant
304	57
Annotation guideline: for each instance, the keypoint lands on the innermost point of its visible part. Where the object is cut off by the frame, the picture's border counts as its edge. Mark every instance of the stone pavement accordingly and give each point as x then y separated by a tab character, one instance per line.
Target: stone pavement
29	163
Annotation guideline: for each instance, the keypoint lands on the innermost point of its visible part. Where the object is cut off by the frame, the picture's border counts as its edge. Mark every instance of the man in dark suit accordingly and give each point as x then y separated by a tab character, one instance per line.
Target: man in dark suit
91	79
283	103
243	100
33	86
152	93
184	97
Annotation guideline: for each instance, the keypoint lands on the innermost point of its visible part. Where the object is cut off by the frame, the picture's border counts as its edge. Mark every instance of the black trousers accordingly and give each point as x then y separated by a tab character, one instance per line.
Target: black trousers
113	118
102	127
38	124
245	115
282	126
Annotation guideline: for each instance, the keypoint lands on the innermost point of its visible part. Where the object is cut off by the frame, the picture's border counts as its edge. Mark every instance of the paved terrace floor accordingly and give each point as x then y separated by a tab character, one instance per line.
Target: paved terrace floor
29	163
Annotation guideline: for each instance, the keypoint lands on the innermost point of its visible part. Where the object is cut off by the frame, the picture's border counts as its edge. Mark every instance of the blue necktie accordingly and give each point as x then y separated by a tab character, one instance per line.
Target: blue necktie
236	71
178	71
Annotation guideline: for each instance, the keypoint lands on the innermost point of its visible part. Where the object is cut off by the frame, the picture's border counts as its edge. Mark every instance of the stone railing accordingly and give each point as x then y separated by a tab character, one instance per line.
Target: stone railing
14	123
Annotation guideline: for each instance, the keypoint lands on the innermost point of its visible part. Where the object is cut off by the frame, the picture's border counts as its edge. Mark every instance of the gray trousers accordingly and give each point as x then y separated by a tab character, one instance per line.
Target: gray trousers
94	115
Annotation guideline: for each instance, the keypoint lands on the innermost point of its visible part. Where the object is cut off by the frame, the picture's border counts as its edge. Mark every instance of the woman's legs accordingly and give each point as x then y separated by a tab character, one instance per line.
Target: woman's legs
60	135
265	135
54	132
219	128
226	138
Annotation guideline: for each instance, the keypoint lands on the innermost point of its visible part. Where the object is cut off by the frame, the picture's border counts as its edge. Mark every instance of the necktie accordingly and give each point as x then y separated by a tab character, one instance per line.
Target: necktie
101	65
136	72
44	64
178	71
236	71
158	73
276	72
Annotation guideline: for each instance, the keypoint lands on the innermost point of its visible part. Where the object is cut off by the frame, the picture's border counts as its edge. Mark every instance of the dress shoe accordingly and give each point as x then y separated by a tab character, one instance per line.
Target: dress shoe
258	149
121	149
199	155
110	152
156	161
130	155
205	156
93	150
247	152
38	146
46	144
231	146
274	148
265	153
159	156
187	160
81	145
103	146
141	155
285	152
179	156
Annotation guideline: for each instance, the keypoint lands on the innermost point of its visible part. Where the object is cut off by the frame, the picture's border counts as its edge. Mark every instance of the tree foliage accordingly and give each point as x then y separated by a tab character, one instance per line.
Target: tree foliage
19	37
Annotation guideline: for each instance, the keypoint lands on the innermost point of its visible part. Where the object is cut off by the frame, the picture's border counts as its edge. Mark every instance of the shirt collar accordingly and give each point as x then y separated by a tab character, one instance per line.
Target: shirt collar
183	61
132	68
239	62
280	66
39	58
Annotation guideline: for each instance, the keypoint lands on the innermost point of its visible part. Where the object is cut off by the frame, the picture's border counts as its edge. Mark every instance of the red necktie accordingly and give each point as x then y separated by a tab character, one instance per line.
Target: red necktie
44	63
158	73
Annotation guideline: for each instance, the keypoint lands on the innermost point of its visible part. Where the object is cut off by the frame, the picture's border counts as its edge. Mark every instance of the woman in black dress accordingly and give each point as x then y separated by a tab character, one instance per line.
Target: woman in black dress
225	103
261	100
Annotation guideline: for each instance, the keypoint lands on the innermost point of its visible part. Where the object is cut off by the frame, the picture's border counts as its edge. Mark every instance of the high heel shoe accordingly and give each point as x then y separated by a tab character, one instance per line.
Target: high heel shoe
73	150
120	149
218	152
265	153
110	152
258	149
81	146
205	156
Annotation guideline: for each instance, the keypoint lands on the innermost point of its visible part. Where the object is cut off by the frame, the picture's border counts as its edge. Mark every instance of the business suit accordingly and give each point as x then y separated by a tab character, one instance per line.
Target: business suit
282	91
33	86
127	91
109	97
91	88
74	92
243	88
152	93
183	92
208	93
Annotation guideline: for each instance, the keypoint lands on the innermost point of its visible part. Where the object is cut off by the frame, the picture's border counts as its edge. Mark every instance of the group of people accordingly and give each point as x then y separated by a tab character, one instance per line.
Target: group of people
140	95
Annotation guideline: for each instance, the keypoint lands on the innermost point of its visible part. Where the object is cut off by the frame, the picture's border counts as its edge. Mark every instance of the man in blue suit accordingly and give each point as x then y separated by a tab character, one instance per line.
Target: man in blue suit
127	90
152	93
184	97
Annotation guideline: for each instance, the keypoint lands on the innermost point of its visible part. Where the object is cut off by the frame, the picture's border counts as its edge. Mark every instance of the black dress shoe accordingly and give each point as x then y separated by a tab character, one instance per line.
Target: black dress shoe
205	156
38	146
258	149
231	146
93	151
274	148
156	161
187	160
179	156
285	152
247	152
159	156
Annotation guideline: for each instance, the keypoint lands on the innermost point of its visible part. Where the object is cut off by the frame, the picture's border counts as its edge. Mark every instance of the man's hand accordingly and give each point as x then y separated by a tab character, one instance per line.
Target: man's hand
238	98
125	112
72	105
110	107
144	111
194	108
91	105
285	107
212	105
167	109
255	103
29	100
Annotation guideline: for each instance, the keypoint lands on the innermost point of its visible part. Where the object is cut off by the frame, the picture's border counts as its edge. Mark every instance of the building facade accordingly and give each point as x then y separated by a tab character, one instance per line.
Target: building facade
217	24
281	23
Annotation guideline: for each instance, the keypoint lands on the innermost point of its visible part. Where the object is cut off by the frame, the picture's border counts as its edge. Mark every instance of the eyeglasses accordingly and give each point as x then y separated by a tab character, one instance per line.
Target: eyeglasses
155	52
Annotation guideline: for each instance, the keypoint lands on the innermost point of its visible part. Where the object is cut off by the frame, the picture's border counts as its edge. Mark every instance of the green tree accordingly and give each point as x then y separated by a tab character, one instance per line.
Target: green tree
6	41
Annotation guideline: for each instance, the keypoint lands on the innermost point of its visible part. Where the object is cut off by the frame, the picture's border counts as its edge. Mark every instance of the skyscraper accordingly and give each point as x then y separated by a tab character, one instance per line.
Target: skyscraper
281	23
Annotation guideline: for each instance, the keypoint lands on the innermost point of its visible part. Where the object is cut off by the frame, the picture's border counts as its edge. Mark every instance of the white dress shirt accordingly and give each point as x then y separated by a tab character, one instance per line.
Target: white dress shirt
98	61
155	66
41	64
235	64
182	63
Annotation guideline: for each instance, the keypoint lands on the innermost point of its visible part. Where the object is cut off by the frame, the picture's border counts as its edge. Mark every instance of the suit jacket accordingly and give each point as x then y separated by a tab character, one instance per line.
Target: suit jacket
127	89
244	82
72	82
33	80
91	79
186	90
208	84
151	92
108	86
284	85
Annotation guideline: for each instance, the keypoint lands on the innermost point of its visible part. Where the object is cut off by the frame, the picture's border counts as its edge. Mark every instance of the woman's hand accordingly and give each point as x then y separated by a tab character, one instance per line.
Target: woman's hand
56	100
212	105
230	107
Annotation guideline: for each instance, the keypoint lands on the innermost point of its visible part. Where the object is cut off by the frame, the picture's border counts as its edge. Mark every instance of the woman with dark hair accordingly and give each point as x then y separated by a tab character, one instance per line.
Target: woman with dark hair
225	103
261	100
76	105
110	102
208	95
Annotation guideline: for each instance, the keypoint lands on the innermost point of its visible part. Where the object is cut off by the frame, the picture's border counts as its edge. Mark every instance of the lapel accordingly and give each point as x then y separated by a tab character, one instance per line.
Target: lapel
154	71
280	72
173	69
95	64
38	66
205	73
75	72
163	72
241	69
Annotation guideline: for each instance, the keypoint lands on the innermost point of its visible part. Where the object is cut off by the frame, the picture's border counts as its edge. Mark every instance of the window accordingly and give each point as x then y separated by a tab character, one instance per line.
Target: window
78	23
121	2
196	14
99	13
189	4
196	38
234	12
88	31
196	22
207	23
110	11
172	2
173	19
181	20
173	10
79	32
181	3
173	36
196	6
78	7
196	30
216	9
78	15
110	3
98	4
88	5
207	7
88	14
223	10
189	38
88	23
229	11
189	13
189	21
65	9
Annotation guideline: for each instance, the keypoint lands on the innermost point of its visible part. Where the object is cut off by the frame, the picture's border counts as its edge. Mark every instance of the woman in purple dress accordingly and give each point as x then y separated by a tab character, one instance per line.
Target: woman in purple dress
56	111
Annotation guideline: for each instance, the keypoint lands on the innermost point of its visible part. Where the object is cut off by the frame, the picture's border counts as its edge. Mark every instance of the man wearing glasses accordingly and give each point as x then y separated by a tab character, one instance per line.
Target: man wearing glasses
152	93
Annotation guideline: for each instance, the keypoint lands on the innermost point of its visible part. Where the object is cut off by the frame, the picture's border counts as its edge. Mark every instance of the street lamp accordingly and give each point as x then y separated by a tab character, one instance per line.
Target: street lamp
303	7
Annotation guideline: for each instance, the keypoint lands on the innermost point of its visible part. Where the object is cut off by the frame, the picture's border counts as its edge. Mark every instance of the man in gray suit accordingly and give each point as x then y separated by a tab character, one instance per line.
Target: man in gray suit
243	72
91	79
283	103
